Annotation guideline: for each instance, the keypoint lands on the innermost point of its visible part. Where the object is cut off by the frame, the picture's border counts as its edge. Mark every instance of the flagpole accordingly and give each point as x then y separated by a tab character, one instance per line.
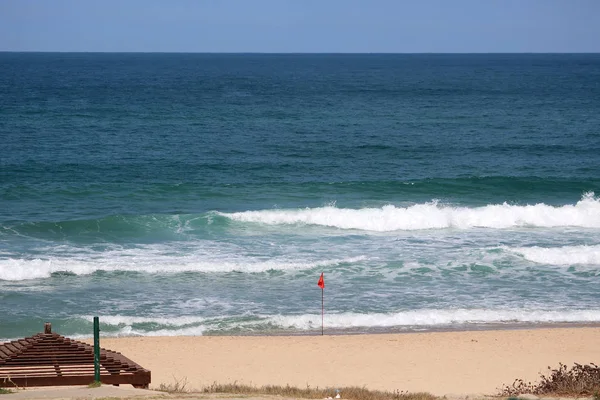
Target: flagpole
322	311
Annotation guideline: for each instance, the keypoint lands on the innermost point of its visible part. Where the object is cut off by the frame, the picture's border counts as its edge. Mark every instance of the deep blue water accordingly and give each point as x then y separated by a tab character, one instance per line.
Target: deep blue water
176	194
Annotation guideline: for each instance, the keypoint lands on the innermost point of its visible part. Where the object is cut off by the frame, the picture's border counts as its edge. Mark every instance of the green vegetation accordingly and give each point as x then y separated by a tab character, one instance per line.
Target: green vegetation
5	391
580	380
95	384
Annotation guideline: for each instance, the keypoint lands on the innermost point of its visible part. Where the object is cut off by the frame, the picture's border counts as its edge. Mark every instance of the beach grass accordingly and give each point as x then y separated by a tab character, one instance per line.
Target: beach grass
179	386
355	393
5	391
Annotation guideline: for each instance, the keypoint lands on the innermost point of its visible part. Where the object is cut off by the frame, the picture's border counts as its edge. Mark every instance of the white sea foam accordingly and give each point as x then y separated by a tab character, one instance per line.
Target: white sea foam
432	215
189	331
129	320
434	318
128	330
20	269
163	326
566	255
191	325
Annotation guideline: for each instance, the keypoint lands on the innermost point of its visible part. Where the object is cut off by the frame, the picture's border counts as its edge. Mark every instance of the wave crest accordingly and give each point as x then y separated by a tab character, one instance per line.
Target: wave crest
567	255
433	215
19	269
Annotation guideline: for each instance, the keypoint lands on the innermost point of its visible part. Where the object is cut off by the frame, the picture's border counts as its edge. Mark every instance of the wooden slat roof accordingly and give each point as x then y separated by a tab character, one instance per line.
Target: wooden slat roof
49	359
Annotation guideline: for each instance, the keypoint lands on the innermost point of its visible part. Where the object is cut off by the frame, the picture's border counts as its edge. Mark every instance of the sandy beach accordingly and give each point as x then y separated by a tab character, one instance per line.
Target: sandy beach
442	363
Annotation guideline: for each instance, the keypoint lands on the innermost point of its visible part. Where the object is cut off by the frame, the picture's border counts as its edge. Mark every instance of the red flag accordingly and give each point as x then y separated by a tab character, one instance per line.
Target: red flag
321	282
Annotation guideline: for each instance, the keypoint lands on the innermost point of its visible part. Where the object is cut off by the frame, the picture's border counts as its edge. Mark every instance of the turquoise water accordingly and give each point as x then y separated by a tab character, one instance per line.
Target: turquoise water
204	194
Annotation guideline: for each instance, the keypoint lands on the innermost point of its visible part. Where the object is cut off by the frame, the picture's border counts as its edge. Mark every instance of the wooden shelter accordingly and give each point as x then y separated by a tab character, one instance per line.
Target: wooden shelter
49	359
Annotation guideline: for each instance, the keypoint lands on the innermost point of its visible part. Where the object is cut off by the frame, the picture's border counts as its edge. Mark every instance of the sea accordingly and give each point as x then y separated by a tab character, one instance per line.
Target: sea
205	194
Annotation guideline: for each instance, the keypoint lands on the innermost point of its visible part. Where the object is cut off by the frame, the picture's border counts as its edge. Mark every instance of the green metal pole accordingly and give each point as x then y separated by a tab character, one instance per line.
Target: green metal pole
96	350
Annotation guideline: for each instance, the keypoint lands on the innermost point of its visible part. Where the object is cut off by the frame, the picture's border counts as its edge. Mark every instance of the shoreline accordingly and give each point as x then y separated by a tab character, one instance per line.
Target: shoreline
471	327
441	362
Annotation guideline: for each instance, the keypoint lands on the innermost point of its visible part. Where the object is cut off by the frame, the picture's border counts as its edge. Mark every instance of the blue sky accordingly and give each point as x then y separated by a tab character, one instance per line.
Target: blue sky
349	26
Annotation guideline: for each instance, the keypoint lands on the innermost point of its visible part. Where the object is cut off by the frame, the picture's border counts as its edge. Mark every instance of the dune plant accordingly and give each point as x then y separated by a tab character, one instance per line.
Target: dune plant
579	380
179	386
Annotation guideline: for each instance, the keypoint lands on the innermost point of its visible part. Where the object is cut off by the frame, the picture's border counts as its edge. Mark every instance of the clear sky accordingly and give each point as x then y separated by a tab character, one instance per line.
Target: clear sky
349	26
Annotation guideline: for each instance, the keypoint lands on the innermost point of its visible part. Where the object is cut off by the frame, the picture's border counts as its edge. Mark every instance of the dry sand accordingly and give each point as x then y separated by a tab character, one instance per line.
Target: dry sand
442	363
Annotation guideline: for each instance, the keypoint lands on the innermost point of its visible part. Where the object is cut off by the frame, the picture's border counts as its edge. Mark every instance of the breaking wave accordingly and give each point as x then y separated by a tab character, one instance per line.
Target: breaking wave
424	318
433	215
566	255
19	269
